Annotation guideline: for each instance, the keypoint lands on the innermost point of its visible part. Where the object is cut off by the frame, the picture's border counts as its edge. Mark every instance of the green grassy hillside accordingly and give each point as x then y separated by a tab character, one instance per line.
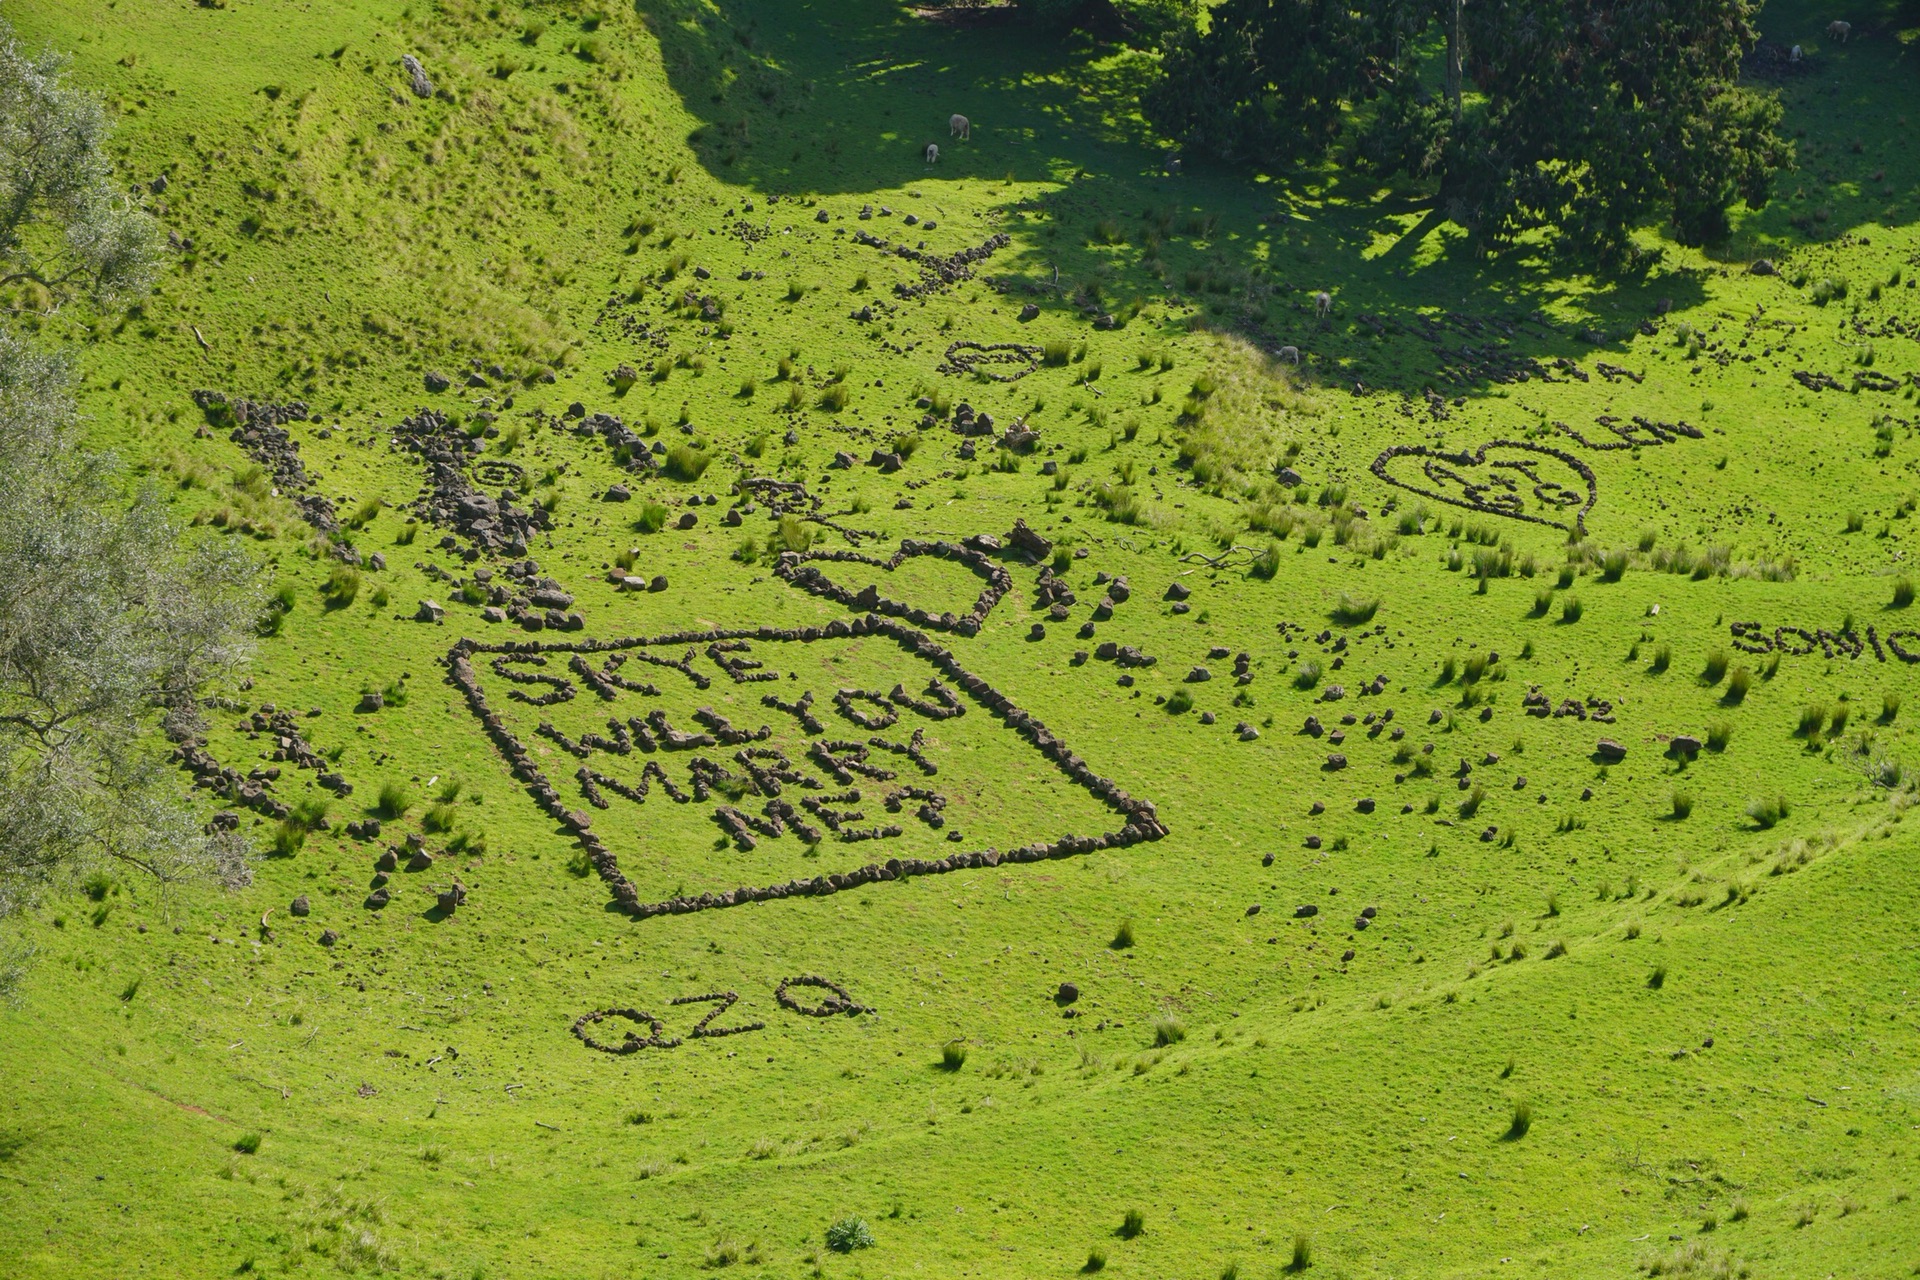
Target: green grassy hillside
1551	1011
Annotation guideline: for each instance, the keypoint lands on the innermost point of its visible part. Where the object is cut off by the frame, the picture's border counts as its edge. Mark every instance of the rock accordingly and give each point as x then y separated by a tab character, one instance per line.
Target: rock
1364	805
493	613
1336	761
820	216
1305	912
618	493
1369	913
1025	539
1177	591
377	562
1038	632
437	382
420	861
372	700
300	906
378	899
328	937
1246	732
1288	476
1313	842
1346	957
1763	267
1684	744
1609	751
1267	860
429	611
843	461
417	76
701	273
1434	716
687	521
1067	994
1199	675
1029	312
1206	717
659	582
387	861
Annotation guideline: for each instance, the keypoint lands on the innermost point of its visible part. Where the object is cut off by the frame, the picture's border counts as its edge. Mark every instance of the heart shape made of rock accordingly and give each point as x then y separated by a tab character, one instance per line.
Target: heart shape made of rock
1512	478
801	570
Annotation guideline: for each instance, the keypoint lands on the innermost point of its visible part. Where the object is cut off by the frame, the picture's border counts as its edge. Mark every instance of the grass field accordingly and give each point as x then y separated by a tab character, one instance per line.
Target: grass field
1551	1013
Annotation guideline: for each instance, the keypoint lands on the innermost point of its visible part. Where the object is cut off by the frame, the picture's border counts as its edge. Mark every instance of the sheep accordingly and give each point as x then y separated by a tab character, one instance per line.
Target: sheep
1838	30
958	126
1795	55
1323	304
933	152
1290	353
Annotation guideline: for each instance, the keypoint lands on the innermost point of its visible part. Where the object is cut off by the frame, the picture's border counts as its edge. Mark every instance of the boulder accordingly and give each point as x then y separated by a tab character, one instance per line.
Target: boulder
429	611
300	906
1067	994
328	937
1305	912
1609	751
372	700
618	493
1684	744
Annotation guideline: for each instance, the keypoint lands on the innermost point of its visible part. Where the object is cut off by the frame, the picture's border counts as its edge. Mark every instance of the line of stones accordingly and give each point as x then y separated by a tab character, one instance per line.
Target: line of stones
1142	821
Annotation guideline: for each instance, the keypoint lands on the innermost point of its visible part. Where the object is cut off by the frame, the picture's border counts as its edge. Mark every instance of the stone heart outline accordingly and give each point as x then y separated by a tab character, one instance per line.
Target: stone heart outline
797	568
1501	496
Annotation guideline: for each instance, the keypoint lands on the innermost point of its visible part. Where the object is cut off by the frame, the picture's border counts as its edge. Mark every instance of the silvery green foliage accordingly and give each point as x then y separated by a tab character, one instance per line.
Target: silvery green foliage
107	617
62	223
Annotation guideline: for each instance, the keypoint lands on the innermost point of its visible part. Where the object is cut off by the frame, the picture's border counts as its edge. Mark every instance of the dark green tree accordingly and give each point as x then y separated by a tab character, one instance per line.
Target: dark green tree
1585	116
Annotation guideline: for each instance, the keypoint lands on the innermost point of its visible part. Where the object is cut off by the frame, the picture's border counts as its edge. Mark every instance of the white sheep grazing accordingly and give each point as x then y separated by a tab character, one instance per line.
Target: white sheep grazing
958	126
933	152
1837	30
1795	55
1290	353
1323	304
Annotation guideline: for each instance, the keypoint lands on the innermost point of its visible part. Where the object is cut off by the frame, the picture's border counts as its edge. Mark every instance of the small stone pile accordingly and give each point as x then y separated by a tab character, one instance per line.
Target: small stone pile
257	429
450	500
936	272
796	568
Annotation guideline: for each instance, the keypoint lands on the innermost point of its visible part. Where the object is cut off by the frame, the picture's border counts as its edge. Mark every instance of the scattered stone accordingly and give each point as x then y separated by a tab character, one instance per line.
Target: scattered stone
1067	994
328	937
1609	751
618	493
300	906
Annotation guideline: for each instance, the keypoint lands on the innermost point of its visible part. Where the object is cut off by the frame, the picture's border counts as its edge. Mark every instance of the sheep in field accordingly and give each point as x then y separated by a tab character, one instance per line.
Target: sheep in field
958	126
933	152
1837	30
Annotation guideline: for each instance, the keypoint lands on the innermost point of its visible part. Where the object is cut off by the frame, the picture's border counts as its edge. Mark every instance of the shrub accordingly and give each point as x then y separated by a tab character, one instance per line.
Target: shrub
1302	1257
1613	566
1768	812
849	1234
684	462
1658	978
288	838
652	518
1307	676
1132	1223
953	1055
1737	685
1902	592
395	800
1719	733
1168	1030
1570	609
1838	725
1542	602
1122	936
1267	563
248	1143
439	819
1682	804
1662	659
1096	1261
342	587
1521	1123
1716	668
1889	707
834	398
1056	353
1179	702
1812	716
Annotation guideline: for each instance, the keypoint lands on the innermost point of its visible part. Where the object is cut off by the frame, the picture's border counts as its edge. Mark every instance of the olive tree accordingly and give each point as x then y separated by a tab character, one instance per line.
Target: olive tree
110	619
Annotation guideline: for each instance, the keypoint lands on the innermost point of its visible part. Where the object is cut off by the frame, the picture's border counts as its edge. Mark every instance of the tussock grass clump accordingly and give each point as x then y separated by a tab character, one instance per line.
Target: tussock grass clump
1716	669
1889	707
1521	1123
1122	936
1812	716
1096	1261
1307	676
1179	702
1719	734
1658	978
1571	609
1738	684
793	533
1353	610
1266	564
1613	566
394	801
684	462
439	819
1662	659
953	1055
248	1144
342	588
1302	1255
1837	724
1902	591
1168	1031
651	518
1132	1223
1682	804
